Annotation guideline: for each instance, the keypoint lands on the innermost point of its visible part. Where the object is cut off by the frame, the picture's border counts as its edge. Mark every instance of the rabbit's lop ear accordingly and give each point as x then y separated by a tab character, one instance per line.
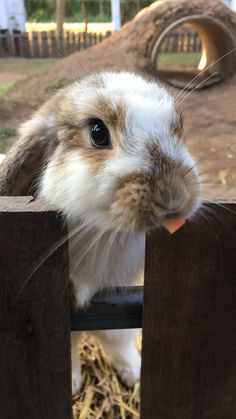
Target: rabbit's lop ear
23	164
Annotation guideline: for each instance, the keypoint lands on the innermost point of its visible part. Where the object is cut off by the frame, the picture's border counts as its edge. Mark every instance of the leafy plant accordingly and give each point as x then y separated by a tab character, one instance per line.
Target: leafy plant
7	133
6	139
6	88
58	84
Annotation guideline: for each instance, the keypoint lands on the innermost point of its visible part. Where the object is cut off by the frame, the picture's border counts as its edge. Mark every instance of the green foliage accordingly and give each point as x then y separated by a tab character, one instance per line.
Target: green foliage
178	61
58	84
6	88
7	133
97	10
40	10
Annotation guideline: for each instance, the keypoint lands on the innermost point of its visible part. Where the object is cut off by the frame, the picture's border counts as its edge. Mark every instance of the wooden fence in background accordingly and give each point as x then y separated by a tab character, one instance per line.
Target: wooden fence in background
182	41
47	44
189	317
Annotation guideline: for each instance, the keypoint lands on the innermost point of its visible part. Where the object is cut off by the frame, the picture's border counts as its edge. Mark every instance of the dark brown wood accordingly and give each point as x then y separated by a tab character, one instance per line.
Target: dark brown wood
116	308
53	44
79	42
10	44
44	43
182	42
73	42
189	320
18	43
26	45
61	45
90	39
188	42
108	34
35	42
67	44
35	380
4	45
85	40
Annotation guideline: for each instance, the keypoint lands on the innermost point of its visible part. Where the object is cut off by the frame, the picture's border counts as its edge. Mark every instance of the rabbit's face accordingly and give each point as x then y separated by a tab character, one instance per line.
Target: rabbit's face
120	162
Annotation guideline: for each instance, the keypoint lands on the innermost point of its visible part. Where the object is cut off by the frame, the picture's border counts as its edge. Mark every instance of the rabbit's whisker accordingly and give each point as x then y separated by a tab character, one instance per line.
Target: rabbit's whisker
45	256
181	93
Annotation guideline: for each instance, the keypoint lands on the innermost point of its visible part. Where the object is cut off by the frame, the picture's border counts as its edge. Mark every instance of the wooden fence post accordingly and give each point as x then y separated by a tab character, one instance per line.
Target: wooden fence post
189	321
78	44
44	43
4	46
35	380
53	44
26	45
35	42
73	44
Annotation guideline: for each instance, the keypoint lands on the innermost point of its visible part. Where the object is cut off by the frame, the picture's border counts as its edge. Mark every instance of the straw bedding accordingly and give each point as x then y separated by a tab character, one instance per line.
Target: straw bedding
103	395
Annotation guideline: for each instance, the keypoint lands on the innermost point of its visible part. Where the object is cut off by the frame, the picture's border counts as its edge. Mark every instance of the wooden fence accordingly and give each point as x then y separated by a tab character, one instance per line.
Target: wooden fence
47	44
182	41
189	317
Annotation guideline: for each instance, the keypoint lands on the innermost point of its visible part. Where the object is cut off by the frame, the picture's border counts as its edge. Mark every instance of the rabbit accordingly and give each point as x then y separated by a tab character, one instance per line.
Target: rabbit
108	152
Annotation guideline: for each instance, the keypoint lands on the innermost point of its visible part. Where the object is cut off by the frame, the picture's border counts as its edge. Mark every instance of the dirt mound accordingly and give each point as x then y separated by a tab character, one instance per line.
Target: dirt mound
131	48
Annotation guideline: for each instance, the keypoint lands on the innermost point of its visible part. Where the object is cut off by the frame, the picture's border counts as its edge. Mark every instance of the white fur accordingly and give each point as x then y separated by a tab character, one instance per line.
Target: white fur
103	254
2	156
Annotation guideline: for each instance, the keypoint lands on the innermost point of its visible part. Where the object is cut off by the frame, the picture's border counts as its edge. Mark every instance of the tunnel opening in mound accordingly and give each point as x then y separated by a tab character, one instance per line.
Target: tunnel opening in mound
194	53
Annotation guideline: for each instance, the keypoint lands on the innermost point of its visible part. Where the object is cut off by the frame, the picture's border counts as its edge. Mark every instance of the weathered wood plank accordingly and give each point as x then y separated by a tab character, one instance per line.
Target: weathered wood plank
44	44
26	45
35	42
189	321
35	377
115	308
53	44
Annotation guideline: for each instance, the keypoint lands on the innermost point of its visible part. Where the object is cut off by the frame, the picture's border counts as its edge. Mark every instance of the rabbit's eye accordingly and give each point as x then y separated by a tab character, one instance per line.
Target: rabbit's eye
99	134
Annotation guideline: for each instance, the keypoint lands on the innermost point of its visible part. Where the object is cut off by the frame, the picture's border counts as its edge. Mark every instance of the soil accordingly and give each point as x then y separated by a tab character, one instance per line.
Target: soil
8	78
209	114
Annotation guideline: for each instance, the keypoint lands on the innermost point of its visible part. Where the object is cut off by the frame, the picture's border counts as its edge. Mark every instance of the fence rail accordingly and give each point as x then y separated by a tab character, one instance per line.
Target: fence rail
47	44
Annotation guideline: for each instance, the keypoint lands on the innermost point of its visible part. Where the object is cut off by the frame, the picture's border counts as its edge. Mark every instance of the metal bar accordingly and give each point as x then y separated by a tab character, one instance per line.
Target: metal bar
116	308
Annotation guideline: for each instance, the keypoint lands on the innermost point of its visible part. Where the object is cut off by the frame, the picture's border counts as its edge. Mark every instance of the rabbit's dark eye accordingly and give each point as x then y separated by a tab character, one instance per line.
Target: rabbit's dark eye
99	134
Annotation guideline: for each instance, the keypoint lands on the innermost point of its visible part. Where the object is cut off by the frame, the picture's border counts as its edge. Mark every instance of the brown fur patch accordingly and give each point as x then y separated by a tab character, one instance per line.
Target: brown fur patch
25	161
93	80
177	128
113	114
143	200
74	139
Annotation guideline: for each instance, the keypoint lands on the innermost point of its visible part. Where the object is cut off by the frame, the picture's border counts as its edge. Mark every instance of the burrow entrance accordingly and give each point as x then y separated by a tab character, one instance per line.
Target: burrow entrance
194	53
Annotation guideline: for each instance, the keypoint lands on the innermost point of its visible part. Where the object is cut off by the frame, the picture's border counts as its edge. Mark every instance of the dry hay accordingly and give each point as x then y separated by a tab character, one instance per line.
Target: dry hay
103	395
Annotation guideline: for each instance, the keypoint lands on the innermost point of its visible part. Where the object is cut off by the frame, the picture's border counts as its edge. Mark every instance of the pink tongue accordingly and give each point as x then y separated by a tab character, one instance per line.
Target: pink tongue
172	225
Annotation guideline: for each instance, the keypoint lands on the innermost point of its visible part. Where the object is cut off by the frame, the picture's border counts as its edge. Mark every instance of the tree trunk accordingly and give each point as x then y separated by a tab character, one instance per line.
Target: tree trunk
60	10
101	8
138	5
84	13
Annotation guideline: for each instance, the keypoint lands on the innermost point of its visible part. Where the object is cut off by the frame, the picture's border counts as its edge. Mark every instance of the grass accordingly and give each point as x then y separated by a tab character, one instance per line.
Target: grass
6	88
58	84
21	66
24	66
178	61
6	137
